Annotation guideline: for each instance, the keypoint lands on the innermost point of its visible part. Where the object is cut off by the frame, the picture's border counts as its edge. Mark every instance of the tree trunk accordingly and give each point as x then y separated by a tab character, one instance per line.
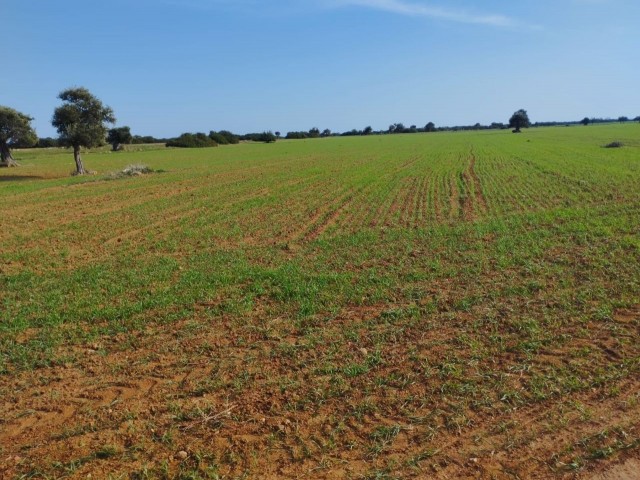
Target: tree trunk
79	166
115	147
6	160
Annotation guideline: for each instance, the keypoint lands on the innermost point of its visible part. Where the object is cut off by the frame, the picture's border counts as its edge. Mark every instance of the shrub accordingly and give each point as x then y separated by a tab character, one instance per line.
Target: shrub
218	138
614	145
190	140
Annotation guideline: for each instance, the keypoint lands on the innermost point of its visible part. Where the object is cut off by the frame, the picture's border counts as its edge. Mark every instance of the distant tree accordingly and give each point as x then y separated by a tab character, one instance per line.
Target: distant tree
278	134
297	135
15	131
191	140
585	121
138	139
232	138
80	122
397	128
326	133
430	127
367	130
218	138
413	129
47	142
118	137
623	119
637	119
314	132
267	137
519	120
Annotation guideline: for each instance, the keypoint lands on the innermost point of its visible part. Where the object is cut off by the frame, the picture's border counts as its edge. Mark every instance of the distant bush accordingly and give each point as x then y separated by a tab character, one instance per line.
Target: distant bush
614	145
232	138
267	137
297	135
218	138
190	140
47	142
138	140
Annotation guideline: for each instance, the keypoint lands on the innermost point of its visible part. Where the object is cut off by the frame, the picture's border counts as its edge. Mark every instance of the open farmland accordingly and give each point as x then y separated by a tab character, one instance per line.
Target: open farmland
447	305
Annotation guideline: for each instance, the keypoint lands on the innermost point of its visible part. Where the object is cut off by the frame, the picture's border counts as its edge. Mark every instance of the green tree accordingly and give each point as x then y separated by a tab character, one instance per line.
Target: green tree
81	122
430	127
15	131
637	119
367	130
267	137
118	137
623	119
519	120
585	121
218	138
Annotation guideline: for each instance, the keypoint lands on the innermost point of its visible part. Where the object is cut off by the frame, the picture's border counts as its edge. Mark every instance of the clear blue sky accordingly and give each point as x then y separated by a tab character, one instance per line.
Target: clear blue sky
170	66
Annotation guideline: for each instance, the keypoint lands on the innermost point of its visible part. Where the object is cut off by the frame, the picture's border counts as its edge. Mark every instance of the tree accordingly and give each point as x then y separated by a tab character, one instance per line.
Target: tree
278	134
15	131
430	127
218	138
397	128
585	121
326	133
314	132
519	120
192	140
623	119
80	122
119	136
267	137
367	130
637	119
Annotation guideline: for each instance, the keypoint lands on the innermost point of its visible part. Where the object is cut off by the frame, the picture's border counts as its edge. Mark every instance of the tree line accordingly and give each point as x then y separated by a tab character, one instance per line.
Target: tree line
82	121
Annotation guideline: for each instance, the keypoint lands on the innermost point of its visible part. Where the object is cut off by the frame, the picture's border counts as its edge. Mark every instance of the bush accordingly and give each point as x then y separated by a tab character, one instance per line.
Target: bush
190	140
232	138
218	138
614	145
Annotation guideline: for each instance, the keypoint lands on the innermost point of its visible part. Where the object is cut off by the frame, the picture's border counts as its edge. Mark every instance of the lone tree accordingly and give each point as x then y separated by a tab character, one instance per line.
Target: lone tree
15	131
80	122
118	137
585	121
430	127
519	120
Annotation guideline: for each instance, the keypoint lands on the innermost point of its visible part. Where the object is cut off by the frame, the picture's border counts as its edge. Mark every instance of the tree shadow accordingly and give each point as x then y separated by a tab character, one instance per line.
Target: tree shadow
18	178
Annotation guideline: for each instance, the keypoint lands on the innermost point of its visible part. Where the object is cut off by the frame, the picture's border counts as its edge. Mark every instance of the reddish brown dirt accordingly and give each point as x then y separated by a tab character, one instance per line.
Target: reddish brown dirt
230	391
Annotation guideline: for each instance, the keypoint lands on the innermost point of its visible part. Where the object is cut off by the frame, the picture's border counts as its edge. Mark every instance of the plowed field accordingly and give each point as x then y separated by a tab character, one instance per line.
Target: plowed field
446	305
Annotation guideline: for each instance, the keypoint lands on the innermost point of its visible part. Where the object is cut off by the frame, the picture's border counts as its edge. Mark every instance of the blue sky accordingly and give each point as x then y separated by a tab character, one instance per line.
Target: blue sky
170	66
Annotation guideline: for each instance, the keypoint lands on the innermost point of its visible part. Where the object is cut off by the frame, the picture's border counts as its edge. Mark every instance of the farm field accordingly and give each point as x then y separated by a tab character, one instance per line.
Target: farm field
445	305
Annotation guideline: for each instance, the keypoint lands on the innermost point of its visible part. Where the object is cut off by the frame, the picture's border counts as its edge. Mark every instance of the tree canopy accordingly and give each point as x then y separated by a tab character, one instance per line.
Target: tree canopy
15	131
519	120
191	140
119	136
81	122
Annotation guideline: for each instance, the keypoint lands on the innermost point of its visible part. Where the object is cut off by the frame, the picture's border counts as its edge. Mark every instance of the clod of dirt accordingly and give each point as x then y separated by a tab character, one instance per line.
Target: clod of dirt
364	351
181	455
